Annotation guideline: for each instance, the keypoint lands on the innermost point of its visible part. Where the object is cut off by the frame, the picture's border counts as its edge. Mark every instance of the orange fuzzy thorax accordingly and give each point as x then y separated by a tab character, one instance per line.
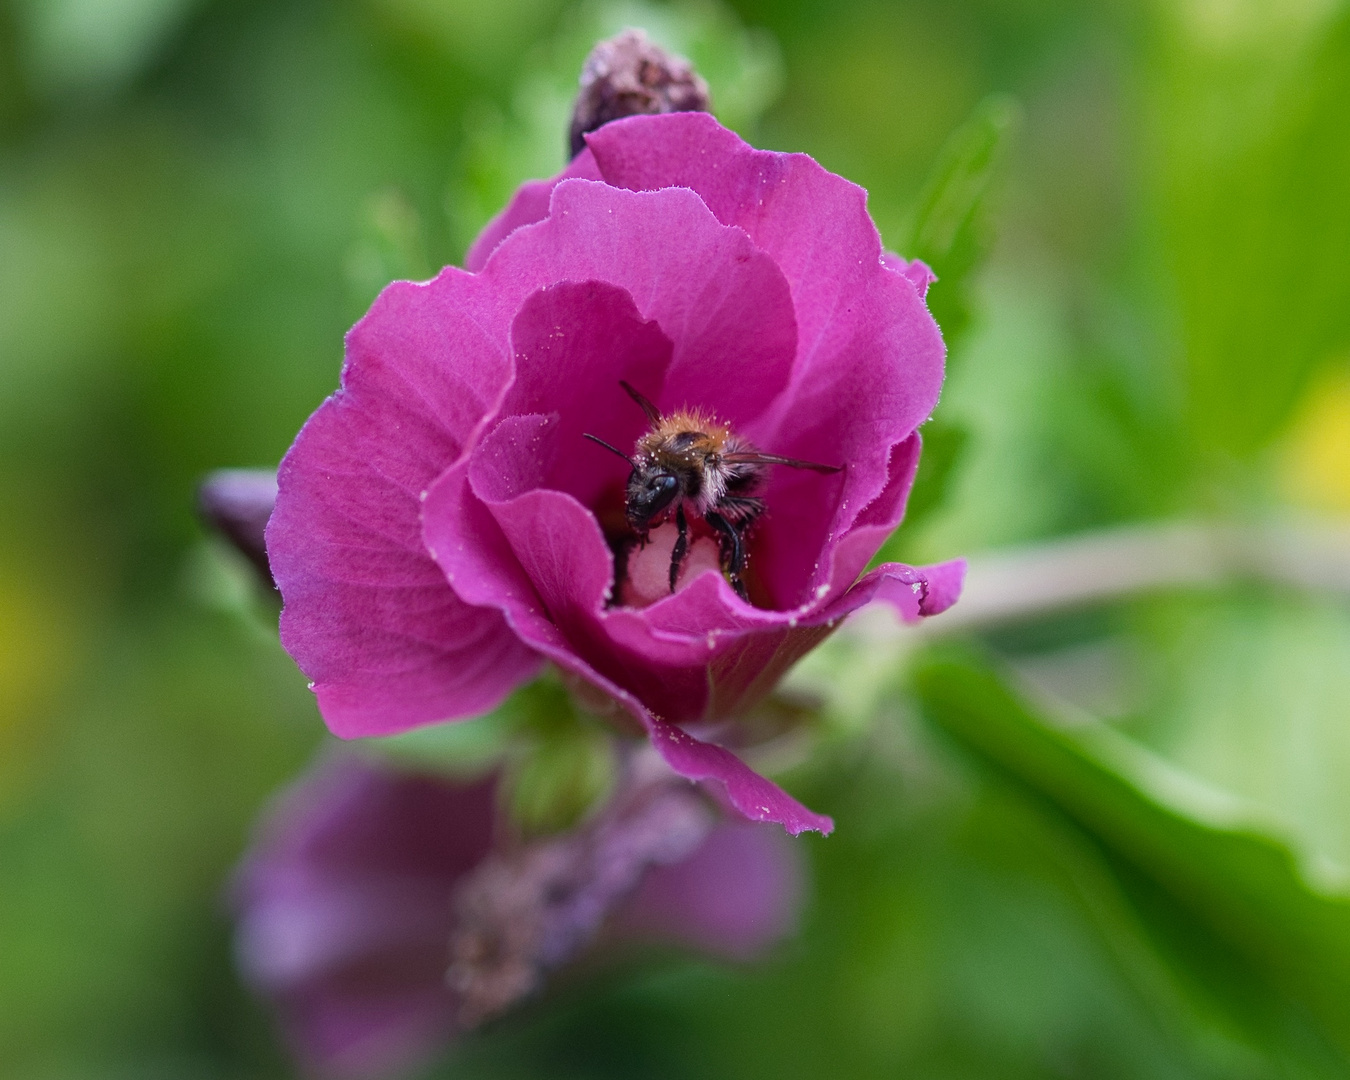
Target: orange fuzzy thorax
715	438
683	420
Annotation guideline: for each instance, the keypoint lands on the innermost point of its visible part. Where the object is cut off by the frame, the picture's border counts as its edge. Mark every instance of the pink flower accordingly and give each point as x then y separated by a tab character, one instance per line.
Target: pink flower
383	912
438	533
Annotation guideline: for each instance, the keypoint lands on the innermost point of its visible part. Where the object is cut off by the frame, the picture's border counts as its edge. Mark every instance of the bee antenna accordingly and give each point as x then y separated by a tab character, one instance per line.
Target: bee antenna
653	413
611	449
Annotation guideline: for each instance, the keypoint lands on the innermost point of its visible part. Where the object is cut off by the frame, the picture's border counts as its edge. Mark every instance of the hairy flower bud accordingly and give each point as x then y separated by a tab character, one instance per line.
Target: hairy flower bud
630	75
525	911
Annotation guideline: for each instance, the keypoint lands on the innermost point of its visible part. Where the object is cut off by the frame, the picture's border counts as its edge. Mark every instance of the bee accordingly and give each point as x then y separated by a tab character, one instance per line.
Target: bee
691	465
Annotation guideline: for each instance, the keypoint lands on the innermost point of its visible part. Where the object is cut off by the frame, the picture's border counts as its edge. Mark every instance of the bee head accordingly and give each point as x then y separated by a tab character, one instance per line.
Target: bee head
650	493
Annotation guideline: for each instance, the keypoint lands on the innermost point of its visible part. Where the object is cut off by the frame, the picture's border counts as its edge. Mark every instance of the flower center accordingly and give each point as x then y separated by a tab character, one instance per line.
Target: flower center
648	568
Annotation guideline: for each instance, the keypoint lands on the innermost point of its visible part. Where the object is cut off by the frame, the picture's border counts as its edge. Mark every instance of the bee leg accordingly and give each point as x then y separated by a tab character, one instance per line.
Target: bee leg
681	546
733	551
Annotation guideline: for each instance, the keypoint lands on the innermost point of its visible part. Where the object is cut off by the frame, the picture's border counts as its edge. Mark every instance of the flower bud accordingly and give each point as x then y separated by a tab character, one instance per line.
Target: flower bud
629	75
237	503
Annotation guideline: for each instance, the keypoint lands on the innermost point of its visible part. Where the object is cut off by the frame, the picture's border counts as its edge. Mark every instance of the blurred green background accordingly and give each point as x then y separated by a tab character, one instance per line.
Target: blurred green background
1112	841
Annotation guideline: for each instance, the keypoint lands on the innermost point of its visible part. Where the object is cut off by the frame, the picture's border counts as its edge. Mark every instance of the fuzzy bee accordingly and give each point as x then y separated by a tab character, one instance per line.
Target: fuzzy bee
691	465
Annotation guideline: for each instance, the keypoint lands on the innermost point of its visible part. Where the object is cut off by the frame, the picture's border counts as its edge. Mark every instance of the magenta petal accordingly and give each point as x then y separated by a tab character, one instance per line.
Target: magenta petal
743	656
345	916
466	541
481	509
739	893
573	343
914	592
368	615
944	586
813	223
877	521
725	305
528	205
556	540
716	655
916	270
755	797
882	381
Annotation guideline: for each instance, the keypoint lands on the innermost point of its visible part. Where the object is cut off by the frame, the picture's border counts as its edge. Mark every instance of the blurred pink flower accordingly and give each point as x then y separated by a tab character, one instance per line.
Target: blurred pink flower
438	534
383	912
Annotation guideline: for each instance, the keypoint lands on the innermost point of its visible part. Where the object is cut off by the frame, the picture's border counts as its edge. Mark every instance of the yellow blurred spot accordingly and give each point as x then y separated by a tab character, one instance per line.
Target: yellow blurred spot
33	652
1316	472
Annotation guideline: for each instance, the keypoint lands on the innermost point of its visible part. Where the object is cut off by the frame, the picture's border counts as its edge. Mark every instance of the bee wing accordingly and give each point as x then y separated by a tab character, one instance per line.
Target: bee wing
774	459
653	413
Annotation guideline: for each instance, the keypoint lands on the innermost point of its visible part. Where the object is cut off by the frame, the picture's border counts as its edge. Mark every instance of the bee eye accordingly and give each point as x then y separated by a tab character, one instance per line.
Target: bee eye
650	496
662	488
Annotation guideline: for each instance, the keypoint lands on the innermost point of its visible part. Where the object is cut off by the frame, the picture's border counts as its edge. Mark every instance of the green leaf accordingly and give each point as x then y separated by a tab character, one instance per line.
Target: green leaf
1255	166
950	228
1254	698
1199	854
